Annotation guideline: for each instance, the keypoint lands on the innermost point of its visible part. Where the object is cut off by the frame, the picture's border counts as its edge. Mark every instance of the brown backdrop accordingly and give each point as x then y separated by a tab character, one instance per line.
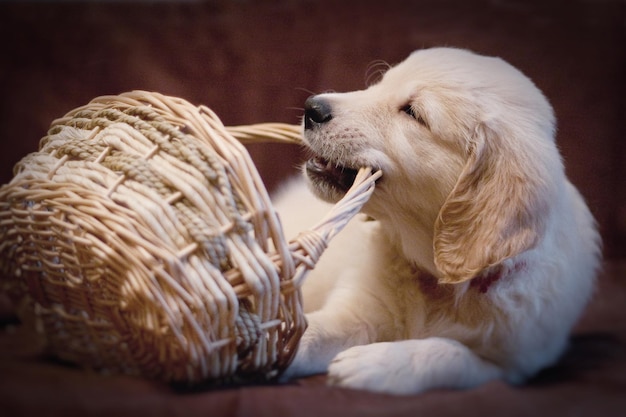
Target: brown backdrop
255	61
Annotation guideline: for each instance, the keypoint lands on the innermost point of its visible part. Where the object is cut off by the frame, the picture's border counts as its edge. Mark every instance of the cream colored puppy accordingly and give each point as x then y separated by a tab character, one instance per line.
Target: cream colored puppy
477	255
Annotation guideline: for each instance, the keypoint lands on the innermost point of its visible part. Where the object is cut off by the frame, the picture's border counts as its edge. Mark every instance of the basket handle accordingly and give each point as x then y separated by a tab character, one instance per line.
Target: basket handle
309	245
267	132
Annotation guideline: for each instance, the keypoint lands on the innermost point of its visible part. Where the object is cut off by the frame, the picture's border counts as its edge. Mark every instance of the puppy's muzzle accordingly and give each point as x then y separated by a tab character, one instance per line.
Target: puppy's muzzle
325	171
317	111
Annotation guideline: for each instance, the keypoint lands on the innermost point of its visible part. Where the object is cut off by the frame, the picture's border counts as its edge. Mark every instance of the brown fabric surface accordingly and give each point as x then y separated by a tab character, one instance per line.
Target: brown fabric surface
590	380
256	62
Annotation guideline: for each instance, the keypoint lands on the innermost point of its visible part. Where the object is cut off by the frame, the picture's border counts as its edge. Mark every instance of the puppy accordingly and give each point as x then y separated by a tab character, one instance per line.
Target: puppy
475	255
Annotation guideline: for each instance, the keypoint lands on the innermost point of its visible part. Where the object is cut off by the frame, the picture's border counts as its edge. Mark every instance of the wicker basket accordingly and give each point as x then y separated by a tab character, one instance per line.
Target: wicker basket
140	239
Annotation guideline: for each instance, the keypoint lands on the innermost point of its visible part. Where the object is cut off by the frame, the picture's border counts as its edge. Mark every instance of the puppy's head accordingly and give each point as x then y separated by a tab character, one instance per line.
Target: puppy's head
466	147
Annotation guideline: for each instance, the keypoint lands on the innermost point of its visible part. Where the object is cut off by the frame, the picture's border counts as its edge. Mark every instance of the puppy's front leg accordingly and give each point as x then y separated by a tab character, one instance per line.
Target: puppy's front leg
328	333
411	366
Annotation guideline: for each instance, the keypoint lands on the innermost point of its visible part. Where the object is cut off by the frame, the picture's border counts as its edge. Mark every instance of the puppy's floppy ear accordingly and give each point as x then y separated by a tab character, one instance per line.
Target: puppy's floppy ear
494	211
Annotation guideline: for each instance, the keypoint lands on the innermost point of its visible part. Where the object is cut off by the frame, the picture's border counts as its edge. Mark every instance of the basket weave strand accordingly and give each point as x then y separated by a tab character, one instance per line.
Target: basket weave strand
140	239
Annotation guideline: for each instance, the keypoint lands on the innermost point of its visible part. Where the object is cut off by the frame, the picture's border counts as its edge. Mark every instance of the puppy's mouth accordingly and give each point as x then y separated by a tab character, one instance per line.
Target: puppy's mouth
331	173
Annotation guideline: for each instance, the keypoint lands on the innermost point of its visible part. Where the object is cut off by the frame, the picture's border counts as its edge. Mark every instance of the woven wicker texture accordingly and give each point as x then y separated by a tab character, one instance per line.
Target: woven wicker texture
140	239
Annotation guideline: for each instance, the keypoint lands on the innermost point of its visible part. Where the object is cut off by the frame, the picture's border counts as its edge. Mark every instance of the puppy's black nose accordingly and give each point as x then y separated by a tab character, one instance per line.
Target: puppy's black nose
316	111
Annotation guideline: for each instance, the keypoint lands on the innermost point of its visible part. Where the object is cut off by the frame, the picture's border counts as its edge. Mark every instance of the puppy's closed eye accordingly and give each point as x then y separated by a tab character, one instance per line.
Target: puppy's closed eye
410	110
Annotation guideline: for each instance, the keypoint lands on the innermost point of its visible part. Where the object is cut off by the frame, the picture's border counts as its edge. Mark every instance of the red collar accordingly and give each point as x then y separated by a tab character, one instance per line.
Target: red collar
430	285
483	281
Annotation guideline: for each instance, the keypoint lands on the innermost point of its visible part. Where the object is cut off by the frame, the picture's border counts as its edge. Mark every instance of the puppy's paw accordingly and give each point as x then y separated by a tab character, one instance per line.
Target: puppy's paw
411	367
373	368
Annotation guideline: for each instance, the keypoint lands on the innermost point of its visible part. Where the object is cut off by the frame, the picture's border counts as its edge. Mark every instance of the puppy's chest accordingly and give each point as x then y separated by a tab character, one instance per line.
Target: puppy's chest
413	314
423	305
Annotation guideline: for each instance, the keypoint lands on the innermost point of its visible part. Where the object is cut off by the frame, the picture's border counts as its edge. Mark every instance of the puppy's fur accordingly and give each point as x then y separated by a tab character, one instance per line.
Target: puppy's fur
481	255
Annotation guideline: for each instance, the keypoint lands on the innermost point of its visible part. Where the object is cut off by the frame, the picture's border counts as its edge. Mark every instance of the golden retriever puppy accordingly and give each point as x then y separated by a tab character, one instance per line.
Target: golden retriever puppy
475	256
